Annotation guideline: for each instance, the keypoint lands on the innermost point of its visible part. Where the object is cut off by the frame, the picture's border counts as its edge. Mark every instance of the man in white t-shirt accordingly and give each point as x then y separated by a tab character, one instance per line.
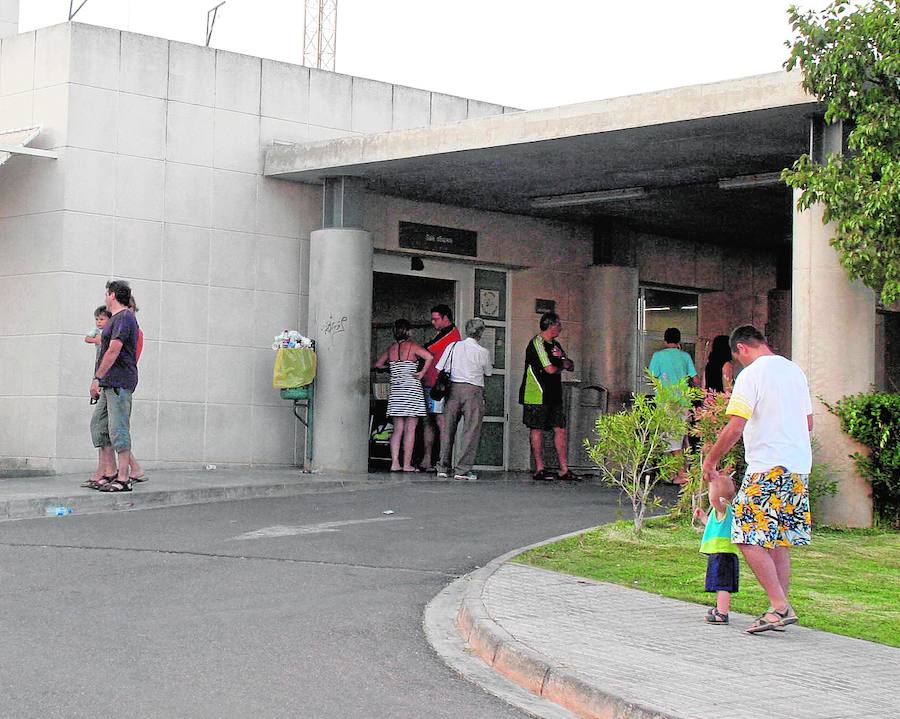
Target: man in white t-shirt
770	406
468	363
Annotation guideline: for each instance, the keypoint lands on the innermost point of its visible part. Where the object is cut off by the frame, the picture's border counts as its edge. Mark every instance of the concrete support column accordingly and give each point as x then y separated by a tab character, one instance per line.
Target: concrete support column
833	340
9	18
340	319
610	331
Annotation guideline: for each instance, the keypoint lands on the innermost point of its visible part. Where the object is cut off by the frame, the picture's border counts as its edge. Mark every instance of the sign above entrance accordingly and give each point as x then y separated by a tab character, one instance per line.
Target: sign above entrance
448	240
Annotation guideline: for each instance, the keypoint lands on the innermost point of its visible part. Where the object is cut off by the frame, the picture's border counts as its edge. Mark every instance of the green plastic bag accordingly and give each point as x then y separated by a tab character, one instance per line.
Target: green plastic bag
294	367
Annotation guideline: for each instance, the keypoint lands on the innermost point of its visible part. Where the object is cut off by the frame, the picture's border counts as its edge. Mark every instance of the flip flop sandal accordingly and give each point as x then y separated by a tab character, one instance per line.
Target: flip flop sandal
142	478
764	625
116	485
98	483
714	616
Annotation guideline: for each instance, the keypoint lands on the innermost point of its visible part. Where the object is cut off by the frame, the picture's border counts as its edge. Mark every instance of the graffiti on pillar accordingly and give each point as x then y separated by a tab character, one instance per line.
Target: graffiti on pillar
332	327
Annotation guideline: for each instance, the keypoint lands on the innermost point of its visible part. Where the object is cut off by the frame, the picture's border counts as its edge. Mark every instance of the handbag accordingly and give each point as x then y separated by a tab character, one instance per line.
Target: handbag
442	383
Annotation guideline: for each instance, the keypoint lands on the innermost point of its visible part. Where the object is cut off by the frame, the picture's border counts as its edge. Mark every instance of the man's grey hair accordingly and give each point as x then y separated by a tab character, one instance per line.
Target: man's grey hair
475	328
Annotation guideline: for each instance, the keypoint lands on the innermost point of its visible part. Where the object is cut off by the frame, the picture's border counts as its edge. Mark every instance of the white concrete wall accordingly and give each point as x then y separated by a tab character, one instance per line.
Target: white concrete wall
555	256
159	182
9	18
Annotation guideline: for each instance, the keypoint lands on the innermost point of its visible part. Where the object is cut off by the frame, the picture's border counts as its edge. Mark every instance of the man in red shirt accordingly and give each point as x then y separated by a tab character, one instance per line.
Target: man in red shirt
447	334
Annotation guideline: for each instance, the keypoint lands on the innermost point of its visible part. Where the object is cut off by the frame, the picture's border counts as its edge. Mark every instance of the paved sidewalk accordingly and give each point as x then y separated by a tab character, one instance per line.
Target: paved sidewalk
603	650
29	497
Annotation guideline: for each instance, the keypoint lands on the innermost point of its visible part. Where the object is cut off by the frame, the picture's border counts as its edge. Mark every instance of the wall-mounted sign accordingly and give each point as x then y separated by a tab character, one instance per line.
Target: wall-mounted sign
448	240
542	306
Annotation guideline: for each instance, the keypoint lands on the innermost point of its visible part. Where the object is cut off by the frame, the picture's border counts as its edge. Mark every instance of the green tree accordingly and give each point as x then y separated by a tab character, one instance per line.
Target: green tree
631	448
849	55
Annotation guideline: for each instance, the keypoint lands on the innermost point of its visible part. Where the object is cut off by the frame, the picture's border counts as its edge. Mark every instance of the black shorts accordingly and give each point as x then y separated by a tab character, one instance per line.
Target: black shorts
722	573
542	416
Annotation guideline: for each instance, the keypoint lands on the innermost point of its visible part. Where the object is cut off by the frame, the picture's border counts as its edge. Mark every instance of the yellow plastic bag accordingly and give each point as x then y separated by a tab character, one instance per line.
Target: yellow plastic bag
294	367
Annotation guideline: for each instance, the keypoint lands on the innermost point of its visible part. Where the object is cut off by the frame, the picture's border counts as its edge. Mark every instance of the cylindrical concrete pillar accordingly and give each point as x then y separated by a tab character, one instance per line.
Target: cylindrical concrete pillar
340	320
610	331
833	340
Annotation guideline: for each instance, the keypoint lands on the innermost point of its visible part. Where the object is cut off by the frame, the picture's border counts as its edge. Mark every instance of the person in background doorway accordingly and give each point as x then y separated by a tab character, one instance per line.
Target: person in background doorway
670	365
541	396
468	363
406	400
447	334
719	373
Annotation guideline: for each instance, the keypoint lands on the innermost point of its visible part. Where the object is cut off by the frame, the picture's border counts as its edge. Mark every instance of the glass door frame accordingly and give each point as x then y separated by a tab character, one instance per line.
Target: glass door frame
643	334
505	371
463	276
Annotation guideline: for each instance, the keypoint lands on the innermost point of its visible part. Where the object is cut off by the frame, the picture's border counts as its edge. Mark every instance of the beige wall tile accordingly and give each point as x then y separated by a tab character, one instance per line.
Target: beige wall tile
230	375
229	433
181	432
231	313
137	251
182	371
232	259
184	313
186	254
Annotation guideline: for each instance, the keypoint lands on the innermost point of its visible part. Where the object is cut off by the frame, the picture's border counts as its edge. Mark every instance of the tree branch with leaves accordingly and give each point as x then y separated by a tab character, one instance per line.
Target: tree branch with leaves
849	55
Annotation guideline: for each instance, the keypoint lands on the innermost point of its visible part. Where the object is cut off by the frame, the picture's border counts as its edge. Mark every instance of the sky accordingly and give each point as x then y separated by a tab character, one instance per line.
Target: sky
521	53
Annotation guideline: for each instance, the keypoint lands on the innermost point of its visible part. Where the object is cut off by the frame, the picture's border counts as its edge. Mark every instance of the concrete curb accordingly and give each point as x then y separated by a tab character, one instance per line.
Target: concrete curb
527	668
98	502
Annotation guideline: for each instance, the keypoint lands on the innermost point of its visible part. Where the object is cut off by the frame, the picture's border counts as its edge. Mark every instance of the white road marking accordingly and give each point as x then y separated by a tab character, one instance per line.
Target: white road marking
281	530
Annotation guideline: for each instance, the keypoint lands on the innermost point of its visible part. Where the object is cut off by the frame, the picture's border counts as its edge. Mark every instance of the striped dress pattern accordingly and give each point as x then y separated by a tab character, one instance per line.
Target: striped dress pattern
406	398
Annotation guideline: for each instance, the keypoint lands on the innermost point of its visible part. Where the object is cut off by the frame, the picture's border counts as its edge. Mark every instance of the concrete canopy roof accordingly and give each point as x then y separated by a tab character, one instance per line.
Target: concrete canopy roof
677	144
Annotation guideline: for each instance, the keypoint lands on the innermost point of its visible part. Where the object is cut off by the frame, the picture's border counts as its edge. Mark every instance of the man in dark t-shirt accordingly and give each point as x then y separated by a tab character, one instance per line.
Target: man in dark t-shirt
115	379
541	395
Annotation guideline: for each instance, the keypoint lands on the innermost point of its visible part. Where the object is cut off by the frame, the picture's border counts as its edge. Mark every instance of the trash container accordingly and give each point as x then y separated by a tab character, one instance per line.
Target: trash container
294	375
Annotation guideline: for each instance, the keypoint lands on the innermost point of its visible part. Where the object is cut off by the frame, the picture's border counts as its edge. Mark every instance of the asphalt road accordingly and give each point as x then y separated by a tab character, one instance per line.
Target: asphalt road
306	606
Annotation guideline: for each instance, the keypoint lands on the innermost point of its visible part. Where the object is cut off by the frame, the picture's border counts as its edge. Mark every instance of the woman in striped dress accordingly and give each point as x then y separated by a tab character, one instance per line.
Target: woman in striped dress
406	401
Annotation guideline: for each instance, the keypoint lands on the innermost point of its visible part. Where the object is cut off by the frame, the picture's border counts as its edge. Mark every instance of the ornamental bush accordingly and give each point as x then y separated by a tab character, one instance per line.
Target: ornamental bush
631	448
873	419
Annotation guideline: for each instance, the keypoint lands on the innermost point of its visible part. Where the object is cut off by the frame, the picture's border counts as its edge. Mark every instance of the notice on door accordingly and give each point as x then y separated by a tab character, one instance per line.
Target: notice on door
431	238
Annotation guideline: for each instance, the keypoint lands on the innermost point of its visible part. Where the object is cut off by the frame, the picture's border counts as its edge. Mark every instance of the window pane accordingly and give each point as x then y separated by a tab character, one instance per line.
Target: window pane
490	448
664	309
494	390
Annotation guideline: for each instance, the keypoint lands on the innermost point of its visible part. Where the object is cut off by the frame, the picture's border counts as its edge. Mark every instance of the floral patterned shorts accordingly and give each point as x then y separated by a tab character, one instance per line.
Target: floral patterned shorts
772	509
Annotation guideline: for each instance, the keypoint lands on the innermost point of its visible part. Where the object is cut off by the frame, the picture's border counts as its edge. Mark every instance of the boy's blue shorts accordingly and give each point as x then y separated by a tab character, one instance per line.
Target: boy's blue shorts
722	573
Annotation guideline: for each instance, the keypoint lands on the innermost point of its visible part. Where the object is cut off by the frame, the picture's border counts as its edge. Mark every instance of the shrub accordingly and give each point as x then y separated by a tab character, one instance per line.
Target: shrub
631	448
873	419
708	419
822	483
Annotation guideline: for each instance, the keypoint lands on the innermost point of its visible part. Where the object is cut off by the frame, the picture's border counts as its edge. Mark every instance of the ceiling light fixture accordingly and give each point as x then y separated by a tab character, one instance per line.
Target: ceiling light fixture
741	182
587	198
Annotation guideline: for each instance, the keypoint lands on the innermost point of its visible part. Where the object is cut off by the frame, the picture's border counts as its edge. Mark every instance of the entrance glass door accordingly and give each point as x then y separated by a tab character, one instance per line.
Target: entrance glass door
658	309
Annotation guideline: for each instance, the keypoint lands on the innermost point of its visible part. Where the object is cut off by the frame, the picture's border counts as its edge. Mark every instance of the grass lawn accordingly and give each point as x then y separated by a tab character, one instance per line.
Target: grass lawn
846	581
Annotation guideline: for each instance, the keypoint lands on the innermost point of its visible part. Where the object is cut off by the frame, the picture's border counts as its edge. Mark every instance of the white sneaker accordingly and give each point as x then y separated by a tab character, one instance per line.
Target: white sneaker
467	477
442	474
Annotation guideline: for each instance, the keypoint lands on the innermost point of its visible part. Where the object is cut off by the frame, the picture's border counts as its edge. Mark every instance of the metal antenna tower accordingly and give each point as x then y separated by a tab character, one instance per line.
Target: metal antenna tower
211	21
320	34
73	11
